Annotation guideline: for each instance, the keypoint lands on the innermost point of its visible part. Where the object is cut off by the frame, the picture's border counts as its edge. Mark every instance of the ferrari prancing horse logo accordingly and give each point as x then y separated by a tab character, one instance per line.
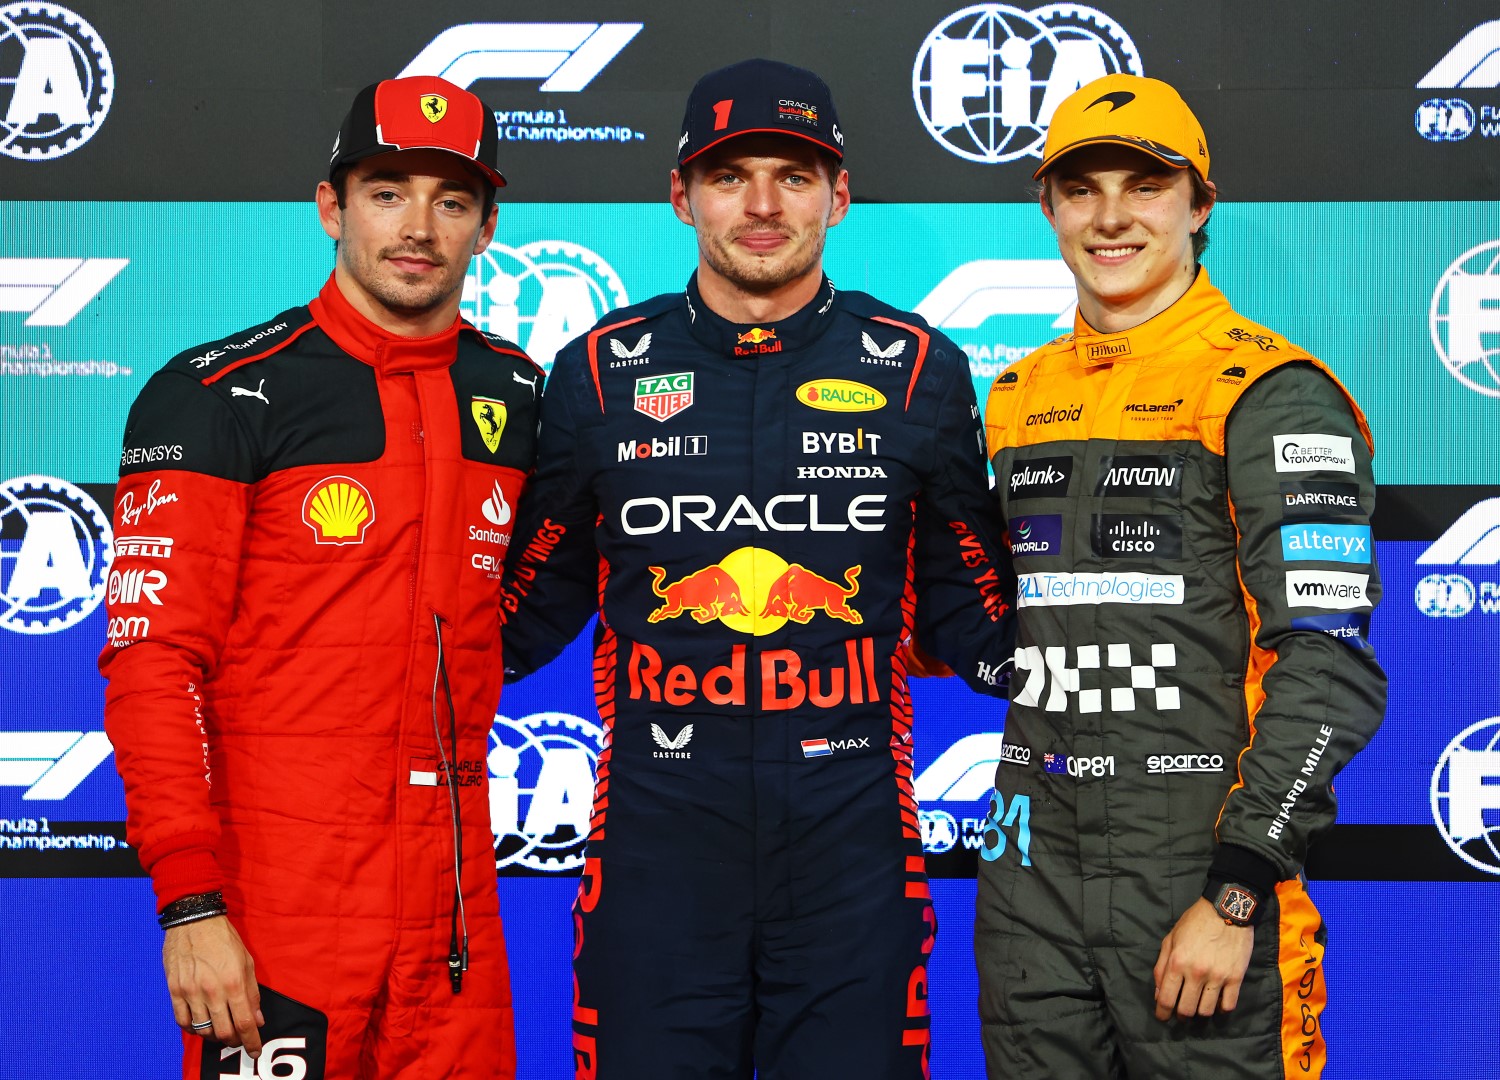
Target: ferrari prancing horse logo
434	107
489	414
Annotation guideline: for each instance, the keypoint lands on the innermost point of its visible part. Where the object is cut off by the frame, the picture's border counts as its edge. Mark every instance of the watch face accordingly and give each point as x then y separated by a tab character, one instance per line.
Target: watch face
1236	903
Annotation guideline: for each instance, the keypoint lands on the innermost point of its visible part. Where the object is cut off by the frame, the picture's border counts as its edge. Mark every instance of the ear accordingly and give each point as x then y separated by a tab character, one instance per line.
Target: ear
679	198
1200	213
329	214
840	198
487	231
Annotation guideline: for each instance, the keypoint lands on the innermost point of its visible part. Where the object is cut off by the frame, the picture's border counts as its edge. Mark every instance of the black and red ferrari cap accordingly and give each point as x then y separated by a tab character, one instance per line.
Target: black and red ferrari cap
422	112
759	96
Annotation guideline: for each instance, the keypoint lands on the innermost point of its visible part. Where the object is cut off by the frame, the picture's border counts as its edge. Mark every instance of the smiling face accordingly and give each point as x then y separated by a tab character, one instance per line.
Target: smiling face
762	206
1124	222
410	223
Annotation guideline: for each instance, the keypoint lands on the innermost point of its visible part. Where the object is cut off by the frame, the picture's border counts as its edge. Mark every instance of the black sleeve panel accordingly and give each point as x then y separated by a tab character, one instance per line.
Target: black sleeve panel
178	423
1311	581
965	582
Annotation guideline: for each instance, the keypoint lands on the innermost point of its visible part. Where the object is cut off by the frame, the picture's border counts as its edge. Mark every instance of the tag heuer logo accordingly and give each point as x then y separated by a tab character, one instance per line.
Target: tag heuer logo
489	415
434	107
662	397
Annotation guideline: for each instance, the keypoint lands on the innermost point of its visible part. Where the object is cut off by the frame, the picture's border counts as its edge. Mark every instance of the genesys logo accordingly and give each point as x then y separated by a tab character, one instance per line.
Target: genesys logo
1465	794
541	789
988	78
1332	589
53	291
540	295
50	764
56	549
60	77
1066	590
1464	318
1036	535
969	296
1313	452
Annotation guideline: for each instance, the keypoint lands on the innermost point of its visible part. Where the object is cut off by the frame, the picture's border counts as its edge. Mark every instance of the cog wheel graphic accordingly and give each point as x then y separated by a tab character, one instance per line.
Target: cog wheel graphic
517	755
29	36
50	610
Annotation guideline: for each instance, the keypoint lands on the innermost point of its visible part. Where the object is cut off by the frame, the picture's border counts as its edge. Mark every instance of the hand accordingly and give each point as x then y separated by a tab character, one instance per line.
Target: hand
211	977
1202	964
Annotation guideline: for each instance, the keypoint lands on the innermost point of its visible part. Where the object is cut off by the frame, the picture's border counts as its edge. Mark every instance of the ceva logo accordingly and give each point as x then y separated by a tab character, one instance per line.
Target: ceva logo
566	56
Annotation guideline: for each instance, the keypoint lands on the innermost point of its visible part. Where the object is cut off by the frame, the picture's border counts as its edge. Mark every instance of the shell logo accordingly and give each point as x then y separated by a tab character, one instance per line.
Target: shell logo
840	395
338	509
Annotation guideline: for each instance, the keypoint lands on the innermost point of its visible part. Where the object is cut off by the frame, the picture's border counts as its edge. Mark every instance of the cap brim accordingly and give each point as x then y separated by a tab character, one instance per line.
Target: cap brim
489	172
1163	154
830	147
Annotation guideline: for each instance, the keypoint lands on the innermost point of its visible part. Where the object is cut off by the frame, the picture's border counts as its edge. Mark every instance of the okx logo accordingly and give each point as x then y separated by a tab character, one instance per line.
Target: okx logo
1049	672
989	77
1466	795
60	78
56	547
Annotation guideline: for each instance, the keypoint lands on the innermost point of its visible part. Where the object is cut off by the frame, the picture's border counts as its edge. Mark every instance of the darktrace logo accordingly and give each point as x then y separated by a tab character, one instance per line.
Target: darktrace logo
1314	499
1265	342
1056	415
1040	477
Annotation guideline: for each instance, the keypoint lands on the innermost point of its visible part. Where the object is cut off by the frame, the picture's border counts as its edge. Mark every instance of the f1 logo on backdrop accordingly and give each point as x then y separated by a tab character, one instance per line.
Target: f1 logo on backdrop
567	56
1464	318
972	294
1466	795
540	295
1472	541
963	773
60	78
1472	64
54	290
988	78
56	547
50	764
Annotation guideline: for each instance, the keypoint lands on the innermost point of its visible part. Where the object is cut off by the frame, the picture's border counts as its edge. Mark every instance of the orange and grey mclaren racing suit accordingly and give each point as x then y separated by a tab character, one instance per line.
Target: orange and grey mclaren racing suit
762	515
1188	506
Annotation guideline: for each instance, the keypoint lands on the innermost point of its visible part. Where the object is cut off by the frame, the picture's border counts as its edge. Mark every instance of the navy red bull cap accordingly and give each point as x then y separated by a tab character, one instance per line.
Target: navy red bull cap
758	96
422	112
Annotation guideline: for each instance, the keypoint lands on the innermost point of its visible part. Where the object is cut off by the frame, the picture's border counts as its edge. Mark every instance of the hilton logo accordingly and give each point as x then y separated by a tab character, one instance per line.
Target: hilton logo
1104	350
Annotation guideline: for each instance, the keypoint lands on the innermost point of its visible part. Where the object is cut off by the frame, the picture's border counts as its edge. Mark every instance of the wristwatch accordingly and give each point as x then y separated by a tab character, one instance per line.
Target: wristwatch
1236	904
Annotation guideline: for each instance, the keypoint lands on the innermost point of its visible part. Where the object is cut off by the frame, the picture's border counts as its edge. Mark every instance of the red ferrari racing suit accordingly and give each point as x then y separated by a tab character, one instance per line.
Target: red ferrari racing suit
310	524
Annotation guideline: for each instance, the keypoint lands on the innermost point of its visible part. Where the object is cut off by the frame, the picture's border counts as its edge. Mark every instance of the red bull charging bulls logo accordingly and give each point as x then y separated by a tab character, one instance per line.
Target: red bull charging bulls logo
755	592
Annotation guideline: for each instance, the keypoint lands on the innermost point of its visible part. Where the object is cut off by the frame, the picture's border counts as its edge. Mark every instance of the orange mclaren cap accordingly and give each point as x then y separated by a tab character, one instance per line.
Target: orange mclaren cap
1144	113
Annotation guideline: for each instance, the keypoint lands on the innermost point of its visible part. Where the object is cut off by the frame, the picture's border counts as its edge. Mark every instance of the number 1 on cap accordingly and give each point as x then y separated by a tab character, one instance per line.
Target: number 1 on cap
721	113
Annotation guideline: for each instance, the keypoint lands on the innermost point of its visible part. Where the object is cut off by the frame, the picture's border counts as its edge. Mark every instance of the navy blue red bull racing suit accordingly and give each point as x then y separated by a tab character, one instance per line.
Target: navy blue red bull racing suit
763	516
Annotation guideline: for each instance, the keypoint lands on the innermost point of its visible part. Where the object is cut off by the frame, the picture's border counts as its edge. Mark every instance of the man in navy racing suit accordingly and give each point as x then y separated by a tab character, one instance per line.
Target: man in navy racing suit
765	487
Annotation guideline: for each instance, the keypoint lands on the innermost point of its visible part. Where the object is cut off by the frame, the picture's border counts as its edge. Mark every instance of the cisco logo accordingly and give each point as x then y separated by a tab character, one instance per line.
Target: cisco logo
988	79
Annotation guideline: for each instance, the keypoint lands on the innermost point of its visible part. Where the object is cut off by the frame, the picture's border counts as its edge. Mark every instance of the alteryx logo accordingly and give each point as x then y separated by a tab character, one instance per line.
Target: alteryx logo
50	764
564	56
52	291
1326	543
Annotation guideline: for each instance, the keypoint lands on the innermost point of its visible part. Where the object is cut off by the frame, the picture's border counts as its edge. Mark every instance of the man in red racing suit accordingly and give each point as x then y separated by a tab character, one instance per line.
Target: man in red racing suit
303	664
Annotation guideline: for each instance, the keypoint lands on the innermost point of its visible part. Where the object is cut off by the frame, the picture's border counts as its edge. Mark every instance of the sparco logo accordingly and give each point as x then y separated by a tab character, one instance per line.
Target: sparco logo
1162	764
1055	415
1015	754
1040	477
